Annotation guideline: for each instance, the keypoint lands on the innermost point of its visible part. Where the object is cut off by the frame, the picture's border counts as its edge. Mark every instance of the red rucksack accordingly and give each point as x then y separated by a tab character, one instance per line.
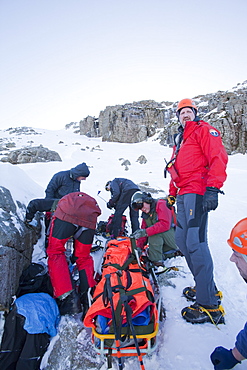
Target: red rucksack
78	208
123	231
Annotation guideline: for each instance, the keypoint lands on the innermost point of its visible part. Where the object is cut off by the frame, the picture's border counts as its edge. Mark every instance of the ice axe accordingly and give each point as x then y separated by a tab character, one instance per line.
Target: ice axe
99	191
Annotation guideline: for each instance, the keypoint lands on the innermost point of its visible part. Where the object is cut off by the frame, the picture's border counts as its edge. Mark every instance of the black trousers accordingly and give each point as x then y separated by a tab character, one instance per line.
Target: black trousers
19	349
122	203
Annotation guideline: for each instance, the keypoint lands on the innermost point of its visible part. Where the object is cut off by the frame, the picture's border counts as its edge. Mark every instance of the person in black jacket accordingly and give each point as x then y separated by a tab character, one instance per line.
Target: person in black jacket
65	182
121	193
32	320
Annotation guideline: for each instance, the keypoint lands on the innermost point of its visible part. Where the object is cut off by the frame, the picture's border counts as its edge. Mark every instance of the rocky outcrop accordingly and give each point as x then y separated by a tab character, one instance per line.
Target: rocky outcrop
227	111
129	123
16	246
75	126
31	155
89	126
73	348
132	123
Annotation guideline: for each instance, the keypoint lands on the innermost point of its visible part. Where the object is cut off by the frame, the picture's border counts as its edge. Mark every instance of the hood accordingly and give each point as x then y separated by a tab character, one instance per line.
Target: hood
80	170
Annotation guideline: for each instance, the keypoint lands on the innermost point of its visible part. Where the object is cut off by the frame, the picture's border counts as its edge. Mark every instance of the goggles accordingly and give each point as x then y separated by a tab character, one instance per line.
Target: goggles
137	205
108	186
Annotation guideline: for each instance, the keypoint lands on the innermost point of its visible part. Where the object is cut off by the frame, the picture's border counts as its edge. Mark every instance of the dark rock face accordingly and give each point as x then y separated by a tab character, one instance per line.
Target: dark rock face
16	246
132	123
129	123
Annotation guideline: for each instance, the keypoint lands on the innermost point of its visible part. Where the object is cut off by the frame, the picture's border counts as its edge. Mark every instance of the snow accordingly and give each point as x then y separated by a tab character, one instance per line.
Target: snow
181	345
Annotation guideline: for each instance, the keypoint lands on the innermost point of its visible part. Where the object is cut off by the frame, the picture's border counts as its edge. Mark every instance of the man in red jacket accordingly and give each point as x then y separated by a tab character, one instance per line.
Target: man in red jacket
198	171
76	215
157	228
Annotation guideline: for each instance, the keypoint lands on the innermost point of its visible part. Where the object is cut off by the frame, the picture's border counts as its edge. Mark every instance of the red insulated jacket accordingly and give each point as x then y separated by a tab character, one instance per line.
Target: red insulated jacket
200	162
159	220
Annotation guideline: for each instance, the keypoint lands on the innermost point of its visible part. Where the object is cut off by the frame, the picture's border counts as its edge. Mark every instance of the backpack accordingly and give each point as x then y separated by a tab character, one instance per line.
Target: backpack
127	278
123	231
78	208
34	279
104	227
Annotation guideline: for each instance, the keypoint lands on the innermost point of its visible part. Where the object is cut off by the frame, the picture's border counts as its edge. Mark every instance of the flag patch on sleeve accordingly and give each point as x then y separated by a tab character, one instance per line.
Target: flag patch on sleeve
213	132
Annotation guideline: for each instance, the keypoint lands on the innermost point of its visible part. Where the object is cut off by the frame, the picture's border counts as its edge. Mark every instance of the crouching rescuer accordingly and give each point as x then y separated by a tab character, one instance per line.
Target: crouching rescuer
157	228
76	215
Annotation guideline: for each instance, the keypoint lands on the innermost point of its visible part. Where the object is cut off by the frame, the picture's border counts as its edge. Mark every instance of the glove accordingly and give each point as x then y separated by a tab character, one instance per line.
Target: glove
170	201
109	205
140	233
223	358
210	199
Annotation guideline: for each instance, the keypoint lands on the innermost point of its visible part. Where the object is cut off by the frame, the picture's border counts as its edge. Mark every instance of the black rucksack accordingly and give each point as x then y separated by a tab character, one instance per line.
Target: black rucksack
104	227
34	279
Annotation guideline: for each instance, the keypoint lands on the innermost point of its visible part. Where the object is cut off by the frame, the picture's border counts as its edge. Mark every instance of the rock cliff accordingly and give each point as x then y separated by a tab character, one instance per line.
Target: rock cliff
16	246
135	122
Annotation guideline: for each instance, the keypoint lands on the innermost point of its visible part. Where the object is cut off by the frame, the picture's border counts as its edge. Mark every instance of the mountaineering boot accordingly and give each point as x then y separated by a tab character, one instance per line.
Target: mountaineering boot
84	286
190	293
159	267
84	303
198	314
70	304
172	254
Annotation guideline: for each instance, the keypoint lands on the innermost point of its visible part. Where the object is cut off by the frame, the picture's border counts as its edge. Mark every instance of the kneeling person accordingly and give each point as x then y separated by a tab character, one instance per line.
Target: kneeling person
156	228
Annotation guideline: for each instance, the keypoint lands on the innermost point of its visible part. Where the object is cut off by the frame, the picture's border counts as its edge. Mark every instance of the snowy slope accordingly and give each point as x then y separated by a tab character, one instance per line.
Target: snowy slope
182	346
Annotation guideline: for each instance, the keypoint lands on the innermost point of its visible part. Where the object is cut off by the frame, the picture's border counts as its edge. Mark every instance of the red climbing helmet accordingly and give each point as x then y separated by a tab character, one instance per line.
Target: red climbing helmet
186	103
238	237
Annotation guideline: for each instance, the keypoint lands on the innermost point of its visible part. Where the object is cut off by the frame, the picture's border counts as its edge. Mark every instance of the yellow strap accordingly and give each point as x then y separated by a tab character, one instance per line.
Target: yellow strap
220	308
219	294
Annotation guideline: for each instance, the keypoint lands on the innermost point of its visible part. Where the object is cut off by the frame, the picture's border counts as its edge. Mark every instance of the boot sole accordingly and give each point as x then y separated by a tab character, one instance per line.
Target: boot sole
202	320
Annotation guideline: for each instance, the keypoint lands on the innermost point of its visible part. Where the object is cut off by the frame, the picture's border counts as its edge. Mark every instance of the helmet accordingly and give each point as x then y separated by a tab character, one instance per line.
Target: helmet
238	237
107	186
139	198
186	103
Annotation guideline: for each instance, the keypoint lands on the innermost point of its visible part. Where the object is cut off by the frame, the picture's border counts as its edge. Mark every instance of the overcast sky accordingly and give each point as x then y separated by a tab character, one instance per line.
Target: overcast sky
62	60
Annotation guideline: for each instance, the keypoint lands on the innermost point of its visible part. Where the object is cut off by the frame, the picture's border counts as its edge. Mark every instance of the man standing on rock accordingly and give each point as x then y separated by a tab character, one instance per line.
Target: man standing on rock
198	171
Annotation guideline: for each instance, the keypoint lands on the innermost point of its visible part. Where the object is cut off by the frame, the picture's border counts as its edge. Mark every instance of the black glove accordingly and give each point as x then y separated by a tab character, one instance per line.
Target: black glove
170	201
140	233
109	205
223	358
210	199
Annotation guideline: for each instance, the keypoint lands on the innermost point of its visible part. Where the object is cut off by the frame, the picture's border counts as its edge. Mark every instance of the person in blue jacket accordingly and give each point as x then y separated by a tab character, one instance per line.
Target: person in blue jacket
221	357
31	322
65	182
121	193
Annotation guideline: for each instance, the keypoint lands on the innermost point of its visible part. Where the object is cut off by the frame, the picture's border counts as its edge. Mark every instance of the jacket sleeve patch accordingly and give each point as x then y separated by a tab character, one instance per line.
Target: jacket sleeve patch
213	132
